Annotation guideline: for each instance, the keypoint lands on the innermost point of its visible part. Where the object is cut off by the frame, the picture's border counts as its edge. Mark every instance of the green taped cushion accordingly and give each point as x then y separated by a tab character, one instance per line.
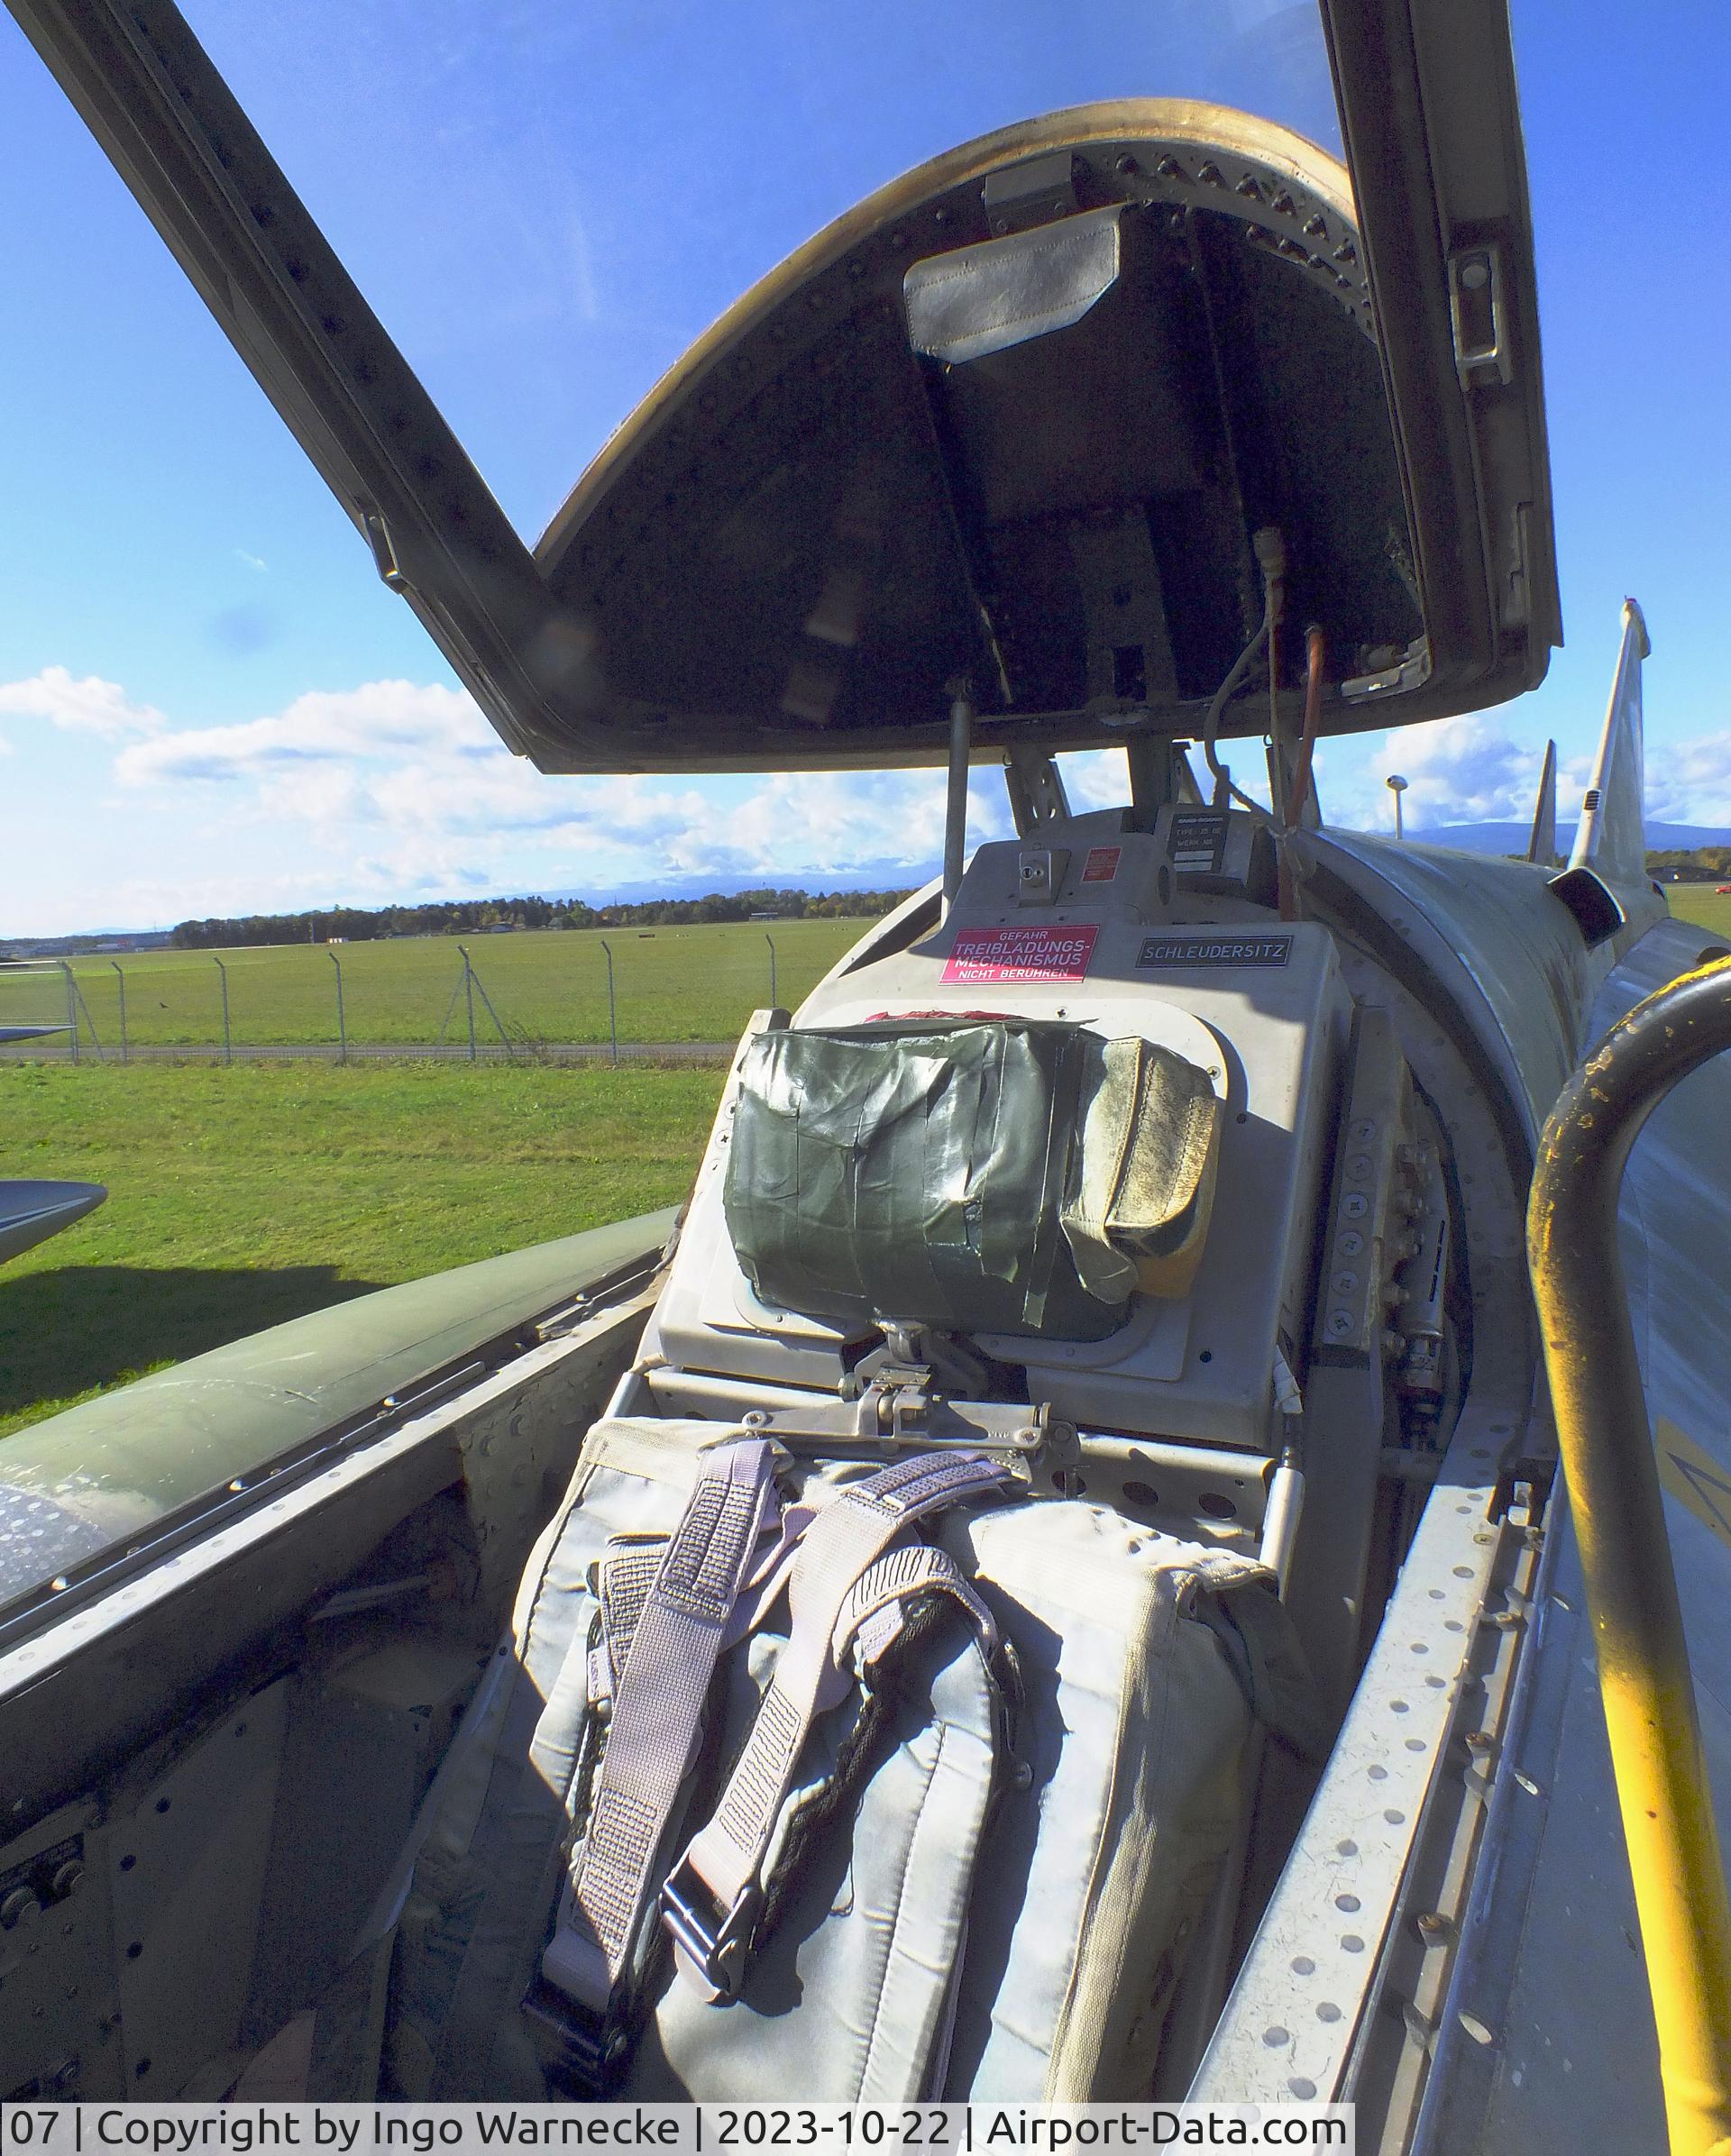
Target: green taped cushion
995	1175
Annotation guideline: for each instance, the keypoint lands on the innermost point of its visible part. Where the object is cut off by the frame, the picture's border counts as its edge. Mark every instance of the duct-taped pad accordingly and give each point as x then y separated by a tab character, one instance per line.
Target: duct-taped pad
994	1175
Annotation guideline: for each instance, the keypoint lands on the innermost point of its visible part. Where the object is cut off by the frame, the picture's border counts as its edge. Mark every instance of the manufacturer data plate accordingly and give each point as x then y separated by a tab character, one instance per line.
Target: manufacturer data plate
1033	953
1198	842
1215	950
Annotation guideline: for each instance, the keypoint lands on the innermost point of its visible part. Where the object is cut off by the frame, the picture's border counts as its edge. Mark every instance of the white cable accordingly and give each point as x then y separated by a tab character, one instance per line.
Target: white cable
1222	696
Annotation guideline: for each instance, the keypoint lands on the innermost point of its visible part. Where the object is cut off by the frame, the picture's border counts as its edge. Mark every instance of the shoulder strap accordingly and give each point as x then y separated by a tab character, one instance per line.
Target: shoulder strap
656	1720
710	1900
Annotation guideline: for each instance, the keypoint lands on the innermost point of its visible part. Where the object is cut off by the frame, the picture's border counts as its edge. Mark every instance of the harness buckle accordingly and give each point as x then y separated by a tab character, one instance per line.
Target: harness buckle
714	1943
578	2051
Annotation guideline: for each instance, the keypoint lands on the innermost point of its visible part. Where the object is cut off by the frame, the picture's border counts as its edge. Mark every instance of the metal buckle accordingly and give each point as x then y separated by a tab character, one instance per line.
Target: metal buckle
714	1943
580	2050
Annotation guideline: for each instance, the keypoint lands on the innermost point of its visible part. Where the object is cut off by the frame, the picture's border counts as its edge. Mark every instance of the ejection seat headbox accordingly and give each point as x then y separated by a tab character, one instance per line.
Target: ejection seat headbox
1002	1175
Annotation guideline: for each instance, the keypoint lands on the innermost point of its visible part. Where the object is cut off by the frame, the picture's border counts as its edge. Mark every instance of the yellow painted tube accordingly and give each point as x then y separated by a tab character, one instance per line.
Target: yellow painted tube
1614	1490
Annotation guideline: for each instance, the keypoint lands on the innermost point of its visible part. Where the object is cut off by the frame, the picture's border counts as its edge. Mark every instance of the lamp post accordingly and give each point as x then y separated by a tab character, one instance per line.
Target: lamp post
1398	786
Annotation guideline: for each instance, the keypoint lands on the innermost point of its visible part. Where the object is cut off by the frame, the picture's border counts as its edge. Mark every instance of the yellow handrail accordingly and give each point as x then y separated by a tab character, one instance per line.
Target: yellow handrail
1613	1491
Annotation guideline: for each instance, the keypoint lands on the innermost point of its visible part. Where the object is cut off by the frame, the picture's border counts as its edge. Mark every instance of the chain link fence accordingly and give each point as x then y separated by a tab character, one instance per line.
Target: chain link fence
677	993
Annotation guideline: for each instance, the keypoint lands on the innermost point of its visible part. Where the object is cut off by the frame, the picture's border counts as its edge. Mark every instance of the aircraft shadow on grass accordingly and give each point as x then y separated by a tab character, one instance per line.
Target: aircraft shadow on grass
65	1330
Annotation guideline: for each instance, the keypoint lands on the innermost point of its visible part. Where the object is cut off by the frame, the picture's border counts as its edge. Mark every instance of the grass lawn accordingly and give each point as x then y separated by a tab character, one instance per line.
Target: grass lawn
672	984
1700	903
239	1198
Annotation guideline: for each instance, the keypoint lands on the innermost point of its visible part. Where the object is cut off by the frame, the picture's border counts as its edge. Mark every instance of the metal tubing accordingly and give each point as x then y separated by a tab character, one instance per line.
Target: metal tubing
71	1011
1281	1516
228	1051
1608	1457
120	977
469	998
770	940
612	1007
1316	658
961	736
342	1027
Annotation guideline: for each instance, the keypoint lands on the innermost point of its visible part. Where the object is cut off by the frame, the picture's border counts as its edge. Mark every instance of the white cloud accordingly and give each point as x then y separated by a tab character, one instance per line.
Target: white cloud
251	561
321	726
1690	782
818	822
1095	779
400	789
90	705
1469	770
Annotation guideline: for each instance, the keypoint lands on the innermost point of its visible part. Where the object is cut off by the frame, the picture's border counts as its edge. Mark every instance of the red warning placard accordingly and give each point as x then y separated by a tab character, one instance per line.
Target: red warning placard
1102	864
1031	954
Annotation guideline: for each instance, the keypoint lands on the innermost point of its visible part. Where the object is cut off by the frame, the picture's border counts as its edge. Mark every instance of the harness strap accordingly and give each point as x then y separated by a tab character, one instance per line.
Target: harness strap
625	1578
657	1714
710	1901
874	1613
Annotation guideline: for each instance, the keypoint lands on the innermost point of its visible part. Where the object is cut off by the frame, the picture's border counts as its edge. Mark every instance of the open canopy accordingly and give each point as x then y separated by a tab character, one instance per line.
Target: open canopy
1016	419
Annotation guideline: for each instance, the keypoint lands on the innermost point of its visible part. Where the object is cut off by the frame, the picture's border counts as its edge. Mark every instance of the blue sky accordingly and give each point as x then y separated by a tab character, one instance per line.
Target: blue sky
208	704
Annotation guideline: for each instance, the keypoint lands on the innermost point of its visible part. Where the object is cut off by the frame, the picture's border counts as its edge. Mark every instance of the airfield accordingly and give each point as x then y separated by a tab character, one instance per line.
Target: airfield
241	1196
675	985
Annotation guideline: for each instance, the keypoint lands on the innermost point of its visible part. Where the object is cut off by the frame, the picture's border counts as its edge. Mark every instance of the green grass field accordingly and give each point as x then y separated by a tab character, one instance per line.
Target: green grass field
673	985
1700	903
243	1197
239	1198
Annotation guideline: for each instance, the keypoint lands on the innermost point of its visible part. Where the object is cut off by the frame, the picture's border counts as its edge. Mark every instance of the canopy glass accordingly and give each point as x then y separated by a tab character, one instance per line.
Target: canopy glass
547	204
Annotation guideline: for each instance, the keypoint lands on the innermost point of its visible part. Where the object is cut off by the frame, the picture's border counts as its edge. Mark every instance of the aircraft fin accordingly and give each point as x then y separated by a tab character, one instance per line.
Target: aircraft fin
1543	845
1611	837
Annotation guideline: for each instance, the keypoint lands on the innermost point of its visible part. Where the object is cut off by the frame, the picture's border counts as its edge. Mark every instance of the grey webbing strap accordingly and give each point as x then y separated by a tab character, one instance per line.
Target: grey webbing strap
872	1613
625	1580
721	1865
656	1719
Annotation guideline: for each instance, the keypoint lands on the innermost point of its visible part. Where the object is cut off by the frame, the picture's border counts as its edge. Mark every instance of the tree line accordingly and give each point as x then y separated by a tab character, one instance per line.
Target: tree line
1704	864
475	916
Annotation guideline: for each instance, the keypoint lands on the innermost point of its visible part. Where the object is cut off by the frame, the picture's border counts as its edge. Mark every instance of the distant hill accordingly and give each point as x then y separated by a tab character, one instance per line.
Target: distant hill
1511	838
877	875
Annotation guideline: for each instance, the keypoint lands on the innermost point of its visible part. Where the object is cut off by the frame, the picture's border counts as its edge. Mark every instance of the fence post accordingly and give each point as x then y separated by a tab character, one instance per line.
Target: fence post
770	940
469	997
72	1010
612	1008
228	1053
342	1029
120	975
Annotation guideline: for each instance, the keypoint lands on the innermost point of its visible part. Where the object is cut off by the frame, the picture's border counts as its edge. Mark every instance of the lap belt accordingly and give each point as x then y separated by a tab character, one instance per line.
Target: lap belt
847	1590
